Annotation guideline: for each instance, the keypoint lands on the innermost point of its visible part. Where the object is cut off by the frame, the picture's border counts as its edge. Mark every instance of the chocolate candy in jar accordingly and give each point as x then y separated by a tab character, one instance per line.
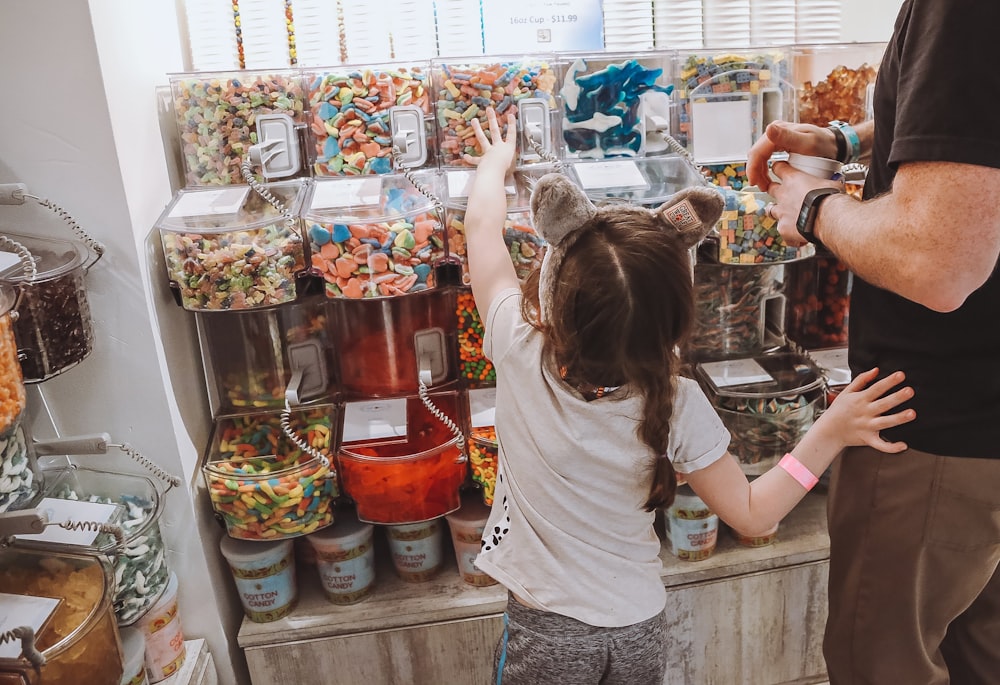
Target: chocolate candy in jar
65	597
53	328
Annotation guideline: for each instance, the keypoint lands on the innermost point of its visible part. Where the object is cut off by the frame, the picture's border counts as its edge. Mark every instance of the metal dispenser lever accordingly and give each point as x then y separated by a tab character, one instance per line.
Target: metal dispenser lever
276	153
533	119
432	365
407	125
96	443
23	522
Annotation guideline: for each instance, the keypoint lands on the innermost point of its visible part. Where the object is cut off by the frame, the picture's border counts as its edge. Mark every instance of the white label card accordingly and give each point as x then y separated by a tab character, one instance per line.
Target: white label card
721	130
834	363
60	510
347	192
541	25
483	407
20	610
736	372
210	202
460	184
374	419
615	174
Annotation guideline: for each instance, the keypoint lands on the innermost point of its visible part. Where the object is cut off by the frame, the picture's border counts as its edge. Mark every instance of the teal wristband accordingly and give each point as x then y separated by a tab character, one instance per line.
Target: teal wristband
853	152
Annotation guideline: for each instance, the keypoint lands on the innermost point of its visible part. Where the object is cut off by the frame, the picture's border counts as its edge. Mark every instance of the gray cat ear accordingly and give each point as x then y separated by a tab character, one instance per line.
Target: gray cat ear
559	207
691	213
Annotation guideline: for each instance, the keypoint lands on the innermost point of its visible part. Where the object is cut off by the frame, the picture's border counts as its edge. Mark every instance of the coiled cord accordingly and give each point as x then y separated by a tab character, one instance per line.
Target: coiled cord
443	418
27	638
537	148
397	158
95	527
134	454
94	245
27	259
286	427
246	168
683	152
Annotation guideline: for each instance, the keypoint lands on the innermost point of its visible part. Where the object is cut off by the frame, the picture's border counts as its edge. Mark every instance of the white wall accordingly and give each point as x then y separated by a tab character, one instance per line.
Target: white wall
867	21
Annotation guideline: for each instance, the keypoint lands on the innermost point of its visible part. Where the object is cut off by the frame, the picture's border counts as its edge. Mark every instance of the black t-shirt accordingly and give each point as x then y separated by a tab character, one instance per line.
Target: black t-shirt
934	101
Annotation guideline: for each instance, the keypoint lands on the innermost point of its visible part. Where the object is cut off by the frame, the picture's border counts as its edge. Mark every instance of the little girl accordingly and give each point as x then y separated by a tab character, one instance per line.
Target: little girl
593	420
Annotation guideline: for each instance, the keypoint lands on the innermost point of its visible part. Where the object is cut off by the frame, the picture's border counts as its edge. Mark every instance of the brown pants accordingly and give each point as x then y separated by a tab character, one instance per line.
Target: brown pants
914	587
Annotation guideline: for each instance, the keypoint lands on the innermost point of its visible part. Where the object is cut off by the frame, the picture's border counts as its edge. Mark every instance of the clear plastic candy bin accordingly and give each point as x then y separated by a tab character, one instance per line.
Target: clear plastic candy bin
216	116
767	403
229	248
373	237
647	181
836	82
54	331
747	235
263	486
18	472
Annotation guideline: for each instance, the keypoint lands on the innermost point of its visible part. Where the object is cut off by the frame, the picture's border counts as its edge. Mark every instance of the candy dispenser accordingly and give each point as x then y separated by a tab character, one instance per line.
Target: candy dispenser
646	181
65	597
374	237
19	476
726	100
402	460
250	356
219	114
738	310
767	403
357	112
747	235
53	327
836	82
836	371
615	105
818	293
465	89
383	343
261	484
140	565
230	248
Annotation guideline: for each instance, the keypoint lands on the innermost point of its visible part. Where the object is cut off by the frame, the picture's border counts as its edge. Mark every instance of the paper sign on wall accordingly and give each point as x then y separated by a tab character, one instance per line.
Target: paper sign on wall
374	419
210	202
542	25
21	610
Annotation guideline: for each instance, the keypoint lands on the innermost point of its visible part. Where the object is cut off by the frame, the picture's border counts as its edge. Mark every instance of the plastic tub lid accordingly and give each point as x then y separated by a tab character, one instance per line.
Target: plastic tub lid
457	185
369	199
770	375
413	527
346	533
134	647
215	209
53	258
247	551
644	181
473	512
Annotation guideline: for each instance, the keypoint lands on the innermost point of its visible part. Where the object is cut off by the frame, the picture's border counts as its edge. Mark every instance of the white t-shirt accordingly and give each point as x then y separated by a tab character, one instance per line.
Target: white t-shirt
568	532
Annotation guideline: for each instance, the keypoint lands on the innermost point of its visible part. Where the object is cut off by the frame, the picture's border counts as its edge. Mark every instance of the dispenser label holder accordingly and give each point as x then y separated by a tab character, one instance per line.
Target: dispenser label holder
210	202
17	611
482	407
407	125
374	420
533	122
59	510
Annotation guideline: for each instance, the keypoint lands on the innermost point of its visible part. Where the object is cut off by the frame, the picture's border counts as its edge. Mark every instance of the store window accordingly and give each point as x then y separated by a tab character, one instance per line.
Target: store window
273	33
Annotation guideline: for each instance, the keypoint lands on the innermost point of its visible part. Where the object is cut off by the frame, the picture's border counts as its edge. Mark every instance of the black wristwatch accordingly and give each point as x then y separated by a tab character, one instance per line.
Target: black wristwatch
807	213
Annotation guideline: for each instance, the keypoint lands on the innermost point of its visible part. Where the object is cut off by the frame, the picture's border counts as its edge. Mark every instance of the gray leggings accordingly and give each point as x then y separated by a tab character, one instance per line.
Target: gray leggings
541	647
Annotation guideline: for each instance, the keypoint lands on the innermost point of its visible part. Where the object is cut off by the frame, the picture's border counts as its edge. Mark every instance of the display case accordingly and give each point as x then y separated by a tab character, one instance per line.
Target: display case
353	110
403	460
66	599
818	297
836	82
374	237
646	181
53	328
249	356
739	310
465	88
231	248
217	113
384	343
615	104
767	403
263	485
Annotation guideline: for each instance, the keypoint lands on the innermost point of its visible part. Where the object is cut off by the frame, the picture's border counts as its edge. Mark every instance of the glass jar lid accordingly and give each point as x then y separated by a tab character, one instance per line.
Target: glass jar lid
53	258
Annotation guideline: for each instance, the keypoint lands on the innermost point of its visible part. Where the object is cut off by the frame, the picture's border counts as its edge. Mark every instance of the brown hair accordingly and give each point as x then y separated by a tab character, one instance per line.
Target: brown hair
622	305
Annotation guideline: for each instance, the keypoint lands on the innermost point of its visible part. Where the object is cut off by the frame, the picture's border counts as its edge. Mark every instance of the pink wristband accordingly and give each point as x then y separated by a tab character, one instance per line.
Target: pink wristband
797	470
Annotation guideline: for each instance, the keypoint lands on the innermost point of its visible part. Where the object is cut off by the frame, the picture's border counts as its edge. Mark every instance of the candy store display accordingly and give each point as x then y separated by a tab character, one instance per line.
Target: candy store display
264	486
140	565
217	114
349	108
648	181
249	355
692	530
231	249
417	549
767	402
747	235
371	238
264	574
732	175
466	89
737	94
53	330
75	628
380	341
345	559
736	308
610	101
818	301
525	246
473	367
835	82
410	473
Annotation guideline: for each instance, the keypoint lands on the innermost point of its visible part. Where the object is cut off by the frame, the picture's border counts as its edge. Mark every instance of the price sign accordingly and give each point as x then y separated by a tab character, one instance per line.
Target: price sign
542	25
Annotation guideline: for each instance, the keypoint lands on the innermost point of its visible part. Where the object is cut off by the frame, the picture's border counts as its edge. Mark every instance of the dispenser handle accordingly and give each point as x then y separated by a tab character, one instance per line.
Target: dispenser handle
406	122
94	443
28	650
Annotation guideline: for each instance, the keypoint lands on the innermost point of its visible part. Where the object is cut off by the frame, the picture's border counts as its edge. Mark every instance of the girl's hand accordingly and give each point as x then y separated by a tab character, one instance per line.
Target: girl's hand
500	151
858	413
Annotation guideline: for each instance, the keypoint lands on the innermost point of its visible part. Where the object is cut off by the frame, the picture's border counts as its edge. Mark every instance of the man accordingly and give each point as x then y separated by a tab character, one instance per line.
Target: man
915	537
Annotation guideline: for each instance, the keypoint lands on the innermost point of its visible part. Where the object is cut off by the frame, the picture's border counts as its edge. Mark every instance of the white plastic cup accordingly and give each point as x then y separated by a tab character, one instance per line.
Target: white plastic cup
134	647
265	576
161	628
416	549
467	526
821	167
345	559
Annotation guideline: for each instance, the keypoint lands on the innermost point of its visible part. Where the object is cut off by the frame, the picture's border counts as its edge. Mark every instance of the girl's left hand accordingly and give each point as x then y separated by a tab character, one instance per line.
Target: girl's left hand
500	151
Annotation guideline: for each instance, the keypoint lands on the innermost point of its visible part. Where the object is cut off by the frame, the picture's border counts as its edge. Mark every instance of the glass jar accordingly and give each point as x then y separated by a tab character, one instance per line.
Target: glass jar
818	297
81	637
835	82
